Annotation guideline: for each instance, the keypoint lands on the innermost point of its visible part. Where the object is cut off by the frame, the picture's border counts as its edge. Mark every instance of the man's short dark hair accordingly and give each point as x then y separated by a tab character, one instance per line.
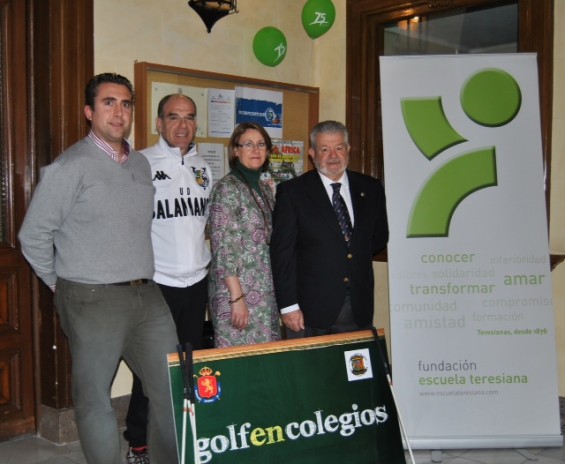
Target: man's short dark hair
91	90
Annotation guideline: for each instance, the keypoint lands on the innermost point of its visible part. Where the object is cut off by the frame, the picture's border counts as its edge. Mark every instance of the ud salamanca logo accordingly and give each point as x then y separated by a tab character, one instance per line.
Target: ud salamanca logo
201	177
208	388
358	364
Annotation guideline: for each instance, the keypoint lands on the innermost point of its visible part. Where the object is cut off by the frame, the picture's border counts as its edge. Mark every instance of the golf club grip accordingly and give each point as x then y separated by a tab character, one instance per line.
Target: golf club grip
189	371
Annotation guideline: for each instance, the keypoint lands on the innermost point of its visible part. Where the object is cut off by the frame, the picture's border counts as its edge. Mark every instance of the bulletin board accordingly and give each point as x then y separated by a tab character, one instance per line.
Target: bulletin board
301	103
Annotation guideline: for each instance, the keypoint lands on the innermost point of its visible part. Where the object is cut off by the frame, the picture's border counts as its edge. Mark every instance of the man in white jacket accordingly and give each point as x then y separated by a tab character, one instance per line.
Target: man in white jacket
183	182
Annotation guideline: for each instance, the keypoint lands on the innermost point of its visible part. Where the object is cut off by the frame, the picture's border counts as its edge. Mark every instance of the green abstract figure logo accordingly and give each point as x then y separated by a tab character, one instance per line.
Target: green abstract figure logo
490	98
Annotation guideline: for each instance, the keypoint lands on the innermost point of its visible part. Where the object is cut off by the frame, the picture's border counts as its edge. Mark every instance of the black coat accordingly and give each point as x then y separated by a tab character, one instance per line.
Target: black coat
312	265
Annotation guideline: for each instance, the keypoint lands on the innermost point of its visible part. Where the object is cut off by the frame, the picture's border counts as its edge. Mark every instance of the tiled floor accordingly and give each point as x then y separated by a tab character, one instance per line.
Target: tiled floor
37	450
490	456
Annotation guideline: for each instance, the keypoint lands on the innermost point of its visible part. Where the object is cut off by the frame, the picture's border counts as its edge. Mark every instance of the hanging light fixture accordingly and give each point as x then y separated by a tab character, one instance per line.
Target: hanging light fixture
213	10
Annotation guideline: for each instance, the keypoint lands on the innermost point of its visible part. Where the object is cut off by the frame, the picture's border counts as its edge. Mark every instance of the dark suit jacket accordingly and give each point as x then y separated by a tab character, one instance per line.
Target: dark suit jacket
312	265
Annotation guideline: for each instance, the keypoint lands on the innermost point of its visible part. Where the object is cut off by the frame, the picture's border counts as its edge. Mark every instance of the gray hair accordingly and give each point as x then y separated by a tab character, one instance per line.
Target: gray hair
328	126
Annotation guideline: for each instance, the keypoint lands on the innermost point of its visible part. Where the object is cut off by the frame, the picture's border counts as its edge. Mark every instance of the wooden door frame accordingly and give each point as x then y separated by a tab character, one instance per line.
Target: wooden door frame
50	61
17	399
363	103
62	64
362	74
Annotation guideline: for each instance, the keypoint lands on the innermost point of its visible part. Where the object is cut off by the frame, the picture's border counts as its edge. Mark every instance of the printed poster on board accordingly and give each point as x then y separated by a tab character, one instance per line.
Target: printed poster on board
263	107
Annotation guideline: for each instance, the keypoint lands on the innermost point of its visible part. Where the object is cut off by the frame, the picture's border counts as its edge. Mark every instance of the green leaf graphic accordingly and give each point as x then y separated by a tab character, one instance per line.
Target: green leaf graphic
428	126
447	187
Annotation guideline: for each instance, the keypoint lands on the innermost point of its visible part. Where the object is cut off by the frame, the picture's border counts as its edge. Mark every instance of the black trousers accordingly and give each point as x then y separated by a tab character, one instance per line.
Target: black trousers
188	307
344	323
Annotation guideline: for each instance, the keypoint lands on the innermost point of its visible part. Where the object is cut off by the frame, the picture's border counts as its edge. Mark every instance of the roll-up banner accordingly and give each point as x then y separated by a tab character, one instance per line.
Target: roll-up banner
319	400
472	323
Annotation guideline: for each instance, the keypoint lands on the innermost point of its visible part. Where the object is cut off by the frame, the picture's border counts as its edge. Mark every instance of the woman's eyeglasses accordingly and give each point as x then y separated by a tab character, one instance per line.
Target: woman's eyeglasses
252	146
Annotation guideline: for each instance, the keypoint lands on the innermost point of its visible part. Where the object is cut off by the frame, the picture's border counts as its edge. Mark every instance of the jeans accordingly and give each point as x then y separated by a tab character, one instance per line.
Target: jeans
105	323
188	308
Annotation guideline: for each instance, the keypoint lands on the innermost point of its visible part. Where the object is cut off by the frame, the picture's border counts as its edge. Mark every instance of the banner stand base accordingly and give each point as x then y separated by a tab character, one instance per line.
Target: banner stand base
434	443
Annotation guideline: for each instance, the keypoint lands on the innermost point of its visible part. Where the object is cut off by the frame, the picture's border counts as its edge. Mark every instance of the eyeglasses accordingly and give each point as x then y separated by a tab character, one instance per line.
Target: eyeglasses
174	118
252	146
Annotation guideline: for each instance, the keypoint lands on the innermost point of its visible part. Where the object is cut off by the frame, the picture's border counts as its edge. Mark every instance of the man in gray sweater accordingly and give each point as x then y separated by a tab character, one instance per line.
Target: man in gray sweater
87	235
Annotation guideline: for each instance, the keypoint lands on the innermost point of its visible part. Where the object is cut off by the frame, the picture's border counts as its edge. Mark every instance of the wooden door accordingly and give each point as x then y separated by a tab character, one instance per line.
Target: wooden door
17	384
366	23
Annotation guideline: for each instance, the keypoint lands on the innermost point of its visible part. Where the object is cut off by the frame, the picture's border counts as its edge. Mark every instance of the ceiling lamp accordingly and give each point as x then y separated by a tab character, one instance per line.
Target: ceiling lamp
213	10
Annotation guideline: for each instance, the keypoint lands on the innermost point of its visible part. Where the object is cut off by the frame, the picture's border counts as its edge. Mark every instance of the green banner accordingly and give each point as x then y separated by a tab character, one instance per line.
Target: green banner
318	400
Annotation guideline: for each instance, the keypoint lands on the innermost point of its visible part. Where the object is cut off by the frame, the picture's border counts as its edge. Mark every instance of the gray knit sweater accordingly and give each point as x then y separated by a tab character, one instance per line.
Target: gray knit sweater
90	218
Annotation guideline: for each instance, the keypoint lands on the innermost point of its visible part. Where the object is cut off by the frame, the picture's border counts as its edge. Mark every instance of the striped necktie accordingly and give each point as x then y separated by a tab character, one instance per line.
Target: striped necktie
341	213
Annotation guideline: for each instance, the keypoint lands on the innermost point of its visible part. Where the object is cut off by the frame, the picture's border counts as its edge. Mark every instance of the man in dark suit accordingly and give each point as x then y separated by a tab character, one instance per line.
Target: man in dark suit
321	248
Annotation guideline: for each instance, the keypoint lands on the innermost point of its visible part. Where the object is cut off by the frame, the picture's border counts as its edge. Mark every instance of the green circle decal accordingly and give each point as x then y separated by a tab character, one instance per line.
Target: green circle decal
491	98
